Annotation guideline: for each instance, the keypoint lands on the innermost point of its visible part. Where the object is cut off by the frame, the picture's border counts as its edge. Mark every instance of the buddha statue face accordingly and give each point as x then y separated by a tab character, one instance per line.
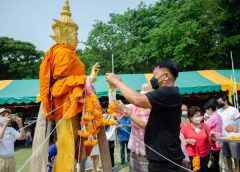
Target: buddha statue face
73	39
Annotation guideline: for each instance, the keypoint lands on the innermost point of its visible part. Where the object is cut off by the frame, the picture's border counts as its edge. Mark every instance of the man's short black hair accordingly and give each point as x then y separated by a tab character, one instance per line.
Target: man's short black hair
210	104
224	97
170	65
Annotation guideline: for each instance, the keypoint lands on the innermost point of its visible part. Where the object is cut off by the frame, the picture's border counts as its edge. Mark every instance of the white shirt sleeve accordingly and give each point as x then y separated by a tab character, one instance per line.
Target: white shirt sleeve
15	133
111	133
236	114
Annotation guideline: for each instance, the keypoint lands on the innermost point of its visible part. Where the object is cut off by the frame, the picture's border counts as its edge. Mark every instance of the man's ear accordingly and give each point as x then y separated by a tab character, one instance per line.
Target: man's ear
166	78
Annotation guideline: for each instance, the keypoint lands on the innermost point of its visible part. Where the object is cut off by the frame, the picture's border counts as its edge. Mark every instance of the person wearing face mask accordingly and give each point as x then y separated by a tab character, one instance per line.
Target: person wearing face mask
229	115
215	123
184	118
163	126
8	136
139	117
198	137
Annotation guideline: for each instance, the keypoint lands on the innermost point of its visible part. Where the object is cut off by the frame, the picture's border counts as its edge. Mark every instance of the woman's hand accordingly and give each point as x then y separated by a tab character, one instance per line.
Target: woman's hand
18	120
122	108
191	141
213	134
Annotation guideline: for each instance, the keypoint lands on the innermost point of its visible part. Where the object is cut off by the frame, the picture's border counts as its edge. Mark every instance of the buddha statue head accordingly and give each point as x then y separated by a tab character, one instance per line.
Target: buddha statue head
65	29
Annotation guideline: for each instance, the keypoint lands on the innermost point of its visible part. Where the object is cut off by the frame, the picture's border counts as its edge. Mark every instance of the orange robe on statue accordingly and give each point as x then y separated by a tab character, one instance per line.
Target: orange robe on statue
61	65
62	80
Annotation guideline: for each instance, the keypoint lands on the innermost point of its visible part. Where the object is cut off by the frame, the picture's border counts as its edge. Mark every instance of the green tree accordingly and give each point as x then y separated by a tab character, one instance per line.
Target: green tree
229	31
18	60
196	34
121	37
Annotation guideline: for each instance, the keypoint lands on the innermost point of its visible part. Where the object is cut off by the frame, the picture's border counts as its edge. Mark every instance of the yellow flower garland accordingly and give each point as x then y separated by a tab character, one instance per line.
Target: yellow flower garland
93	119
196	163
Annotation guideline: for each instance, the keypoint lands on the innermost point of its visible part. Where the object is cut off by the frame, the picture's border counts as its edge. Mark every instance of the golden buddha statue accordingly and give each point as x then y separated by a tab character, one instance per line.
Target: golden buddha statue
62	84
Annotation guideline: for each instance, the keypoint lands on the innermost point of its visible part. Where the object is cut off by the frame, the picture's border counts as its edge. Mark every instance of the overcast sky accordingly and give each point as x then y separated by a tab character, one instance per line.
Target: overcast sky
31	20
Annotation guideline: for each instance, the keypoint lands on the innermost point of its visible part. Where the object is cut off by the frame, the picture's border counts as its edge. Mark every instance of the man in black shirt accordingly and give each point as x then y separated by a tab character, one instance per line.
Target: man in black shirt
163	127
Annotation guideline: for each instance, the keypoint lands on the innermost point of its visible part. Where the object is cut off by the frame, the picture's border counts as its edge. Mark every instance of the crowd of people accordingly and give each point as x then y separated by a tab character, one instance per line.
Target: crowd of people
156	131
172	141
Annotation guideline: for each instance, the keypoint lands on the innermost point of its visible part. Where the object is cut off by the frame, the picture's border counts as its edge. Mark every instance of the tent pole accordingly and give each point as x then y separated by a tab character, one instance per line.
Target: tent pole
234	82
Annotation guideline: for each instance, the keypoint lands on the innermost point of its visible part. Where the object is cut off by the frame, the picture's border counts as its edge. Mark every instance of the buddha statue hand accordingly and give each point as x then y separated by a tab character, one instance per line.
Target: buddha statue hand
94	72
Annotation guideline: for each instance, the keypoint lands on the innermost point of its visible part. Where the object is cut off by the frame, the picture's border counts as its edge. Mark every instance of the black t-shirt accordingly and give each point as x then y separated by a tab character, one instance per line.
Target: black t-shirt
163	127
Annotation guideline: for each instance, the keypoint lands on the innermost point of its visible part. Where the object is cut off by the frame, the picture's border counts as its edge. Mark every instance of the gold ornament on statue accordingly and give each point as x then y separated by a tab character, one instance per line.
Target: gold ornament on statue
65	29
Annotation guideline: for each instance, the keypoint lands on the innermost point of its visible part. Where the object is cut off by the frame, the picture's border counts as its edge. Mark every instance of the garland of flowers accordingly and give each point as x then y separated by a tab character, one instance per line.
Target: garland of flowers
92	119
196	163
111	115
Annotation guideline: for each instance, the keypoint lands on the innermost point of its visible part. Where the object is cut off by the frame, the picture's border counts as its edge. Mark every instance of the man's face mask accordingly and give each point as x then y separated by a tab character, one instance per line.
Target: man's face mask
220	105
154	82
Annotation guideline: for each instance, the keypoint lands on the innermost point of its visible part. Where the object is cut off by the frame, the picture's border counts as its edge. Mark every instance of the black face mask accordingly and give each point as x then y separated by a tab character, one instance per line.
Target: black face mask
154	83
220	105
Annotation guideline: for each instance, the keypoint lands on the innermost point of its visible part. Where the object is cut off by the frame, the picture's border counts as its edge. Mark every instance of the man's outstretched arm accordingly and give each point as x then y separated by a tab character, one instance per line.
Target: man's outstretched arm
139	100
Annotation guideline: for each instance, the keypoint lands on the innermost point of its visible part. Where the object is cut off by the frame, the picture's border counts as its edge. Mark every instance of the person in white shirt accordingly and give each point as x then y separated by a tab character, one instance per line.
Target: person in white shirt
229	115
111	136
8	136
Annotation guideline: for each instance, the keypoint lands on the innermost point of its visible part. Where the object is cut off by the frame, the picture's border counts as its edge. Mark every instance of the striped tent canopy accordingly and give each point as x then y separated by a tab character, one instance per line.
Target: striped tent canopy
26	91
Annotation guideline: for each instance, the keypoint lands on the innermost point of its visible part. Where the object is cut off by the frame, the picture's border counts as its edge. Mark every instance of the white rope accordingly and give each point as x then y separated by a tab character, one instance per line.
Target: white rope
48	113
142	142
80	140
158	152
23	166
80	137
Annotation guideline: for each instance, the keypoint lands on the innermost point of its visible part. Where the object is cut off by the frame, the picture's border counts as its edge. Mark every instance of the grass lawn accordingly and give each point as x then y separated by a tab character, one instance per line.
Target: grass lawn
23	153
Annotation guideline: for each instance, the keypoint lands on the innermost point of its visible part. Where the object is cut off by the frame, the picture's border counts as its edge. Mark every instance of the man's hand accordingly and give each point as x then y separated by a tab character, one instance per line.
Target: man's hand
94	72
191	141
111	78
231	128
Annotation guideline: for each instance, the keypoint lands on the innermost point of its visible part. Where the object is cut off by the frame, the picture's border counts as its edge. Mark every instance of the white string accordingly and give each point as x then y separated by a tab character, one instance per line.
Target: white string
46	138
48	113
79	150
80	142
142	142
157	152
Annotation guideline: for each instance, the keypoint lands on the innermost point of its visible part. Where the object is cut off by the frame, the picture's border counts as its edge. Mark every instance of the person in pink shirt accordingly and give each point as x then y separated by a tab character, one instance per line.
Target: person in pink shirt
139	118
198	137
215	123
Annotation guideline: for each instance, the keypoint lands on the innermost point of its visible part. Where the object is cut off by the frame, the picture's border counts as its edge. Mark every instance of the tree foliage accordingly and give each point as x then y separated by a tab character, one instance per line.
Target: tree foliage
18	60
196	34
